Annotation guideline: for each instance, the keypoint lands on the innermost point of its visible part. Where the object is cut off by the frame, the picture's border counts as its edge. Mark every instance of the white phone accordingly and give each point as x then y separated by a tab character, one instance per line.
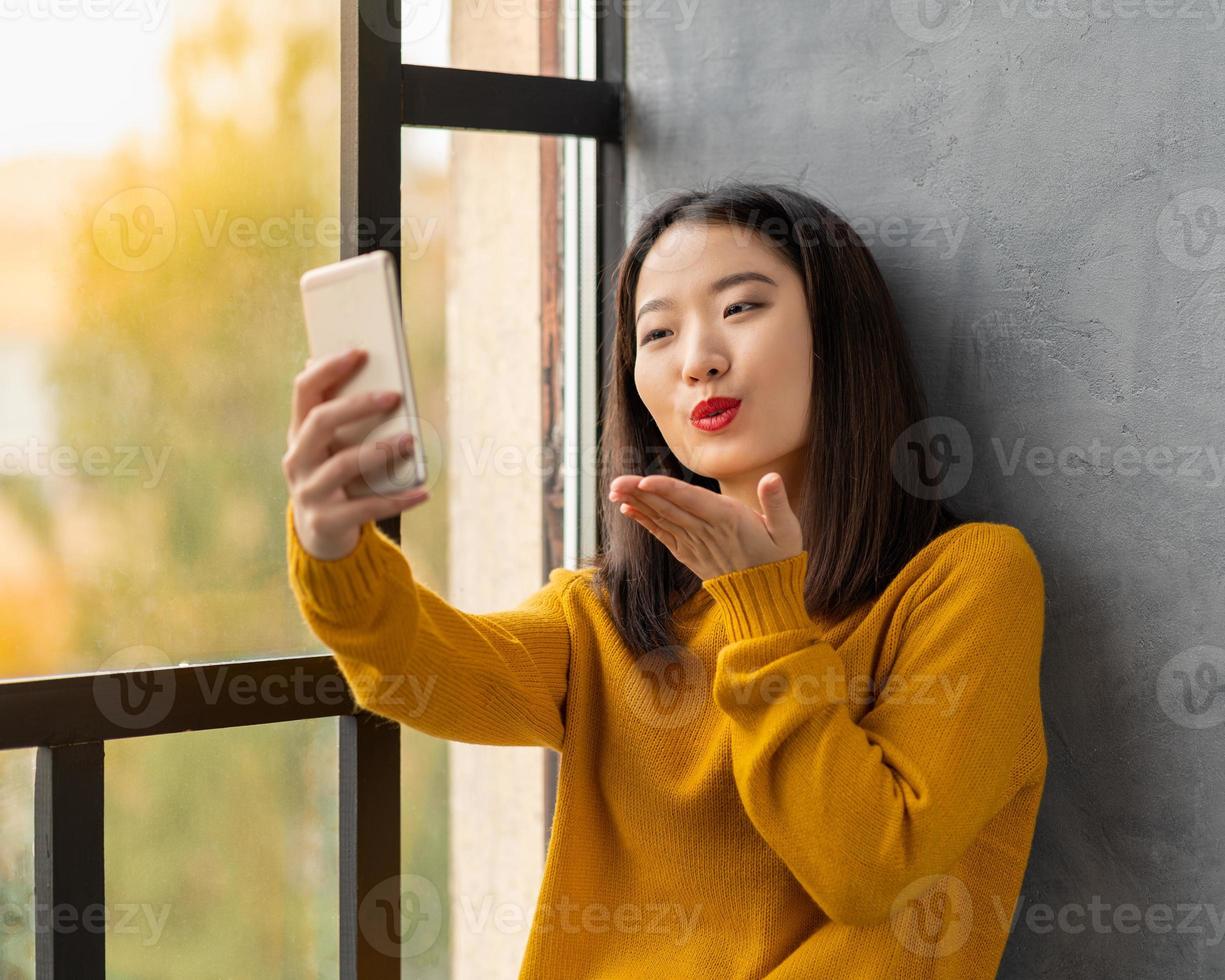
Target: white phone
355	303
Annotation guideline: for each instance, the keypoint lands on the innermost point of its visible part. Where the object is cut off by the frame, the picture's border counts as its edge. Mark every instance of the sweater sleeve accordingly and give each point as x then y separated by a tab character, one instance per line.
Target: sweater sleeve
495	679
860	811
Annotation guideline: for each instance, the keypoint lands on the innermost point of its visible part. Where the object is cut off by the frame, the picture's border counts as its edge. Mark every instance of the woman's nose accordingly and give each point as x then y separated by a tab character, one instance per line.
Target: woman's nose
703	365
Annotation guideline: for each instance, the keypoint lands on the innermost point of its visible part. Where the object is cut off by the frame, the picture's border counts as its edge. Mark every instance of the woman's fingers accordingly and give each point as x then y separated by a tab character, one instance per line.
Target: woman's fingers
698	501
662	510
667	537
672	531
319	429
340	517
326	519
313	383
636	515
642	504
364	460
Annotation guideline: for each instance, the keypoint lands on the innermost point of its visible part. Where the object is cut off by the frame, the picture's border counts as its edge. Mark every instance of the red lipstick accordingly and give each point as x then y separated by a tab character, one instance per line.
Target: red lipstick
713	414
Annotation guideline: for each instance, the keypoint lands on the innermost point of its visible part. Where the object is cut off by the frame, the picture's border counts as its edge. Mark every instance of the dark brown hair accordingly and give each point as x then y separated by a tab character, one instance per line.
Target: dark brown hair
861	523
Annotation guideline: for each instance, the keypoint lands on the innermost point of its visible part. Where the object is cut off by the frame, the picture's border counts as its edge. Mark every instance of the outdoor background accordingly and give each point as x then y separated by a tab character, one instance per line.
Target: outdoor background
221	117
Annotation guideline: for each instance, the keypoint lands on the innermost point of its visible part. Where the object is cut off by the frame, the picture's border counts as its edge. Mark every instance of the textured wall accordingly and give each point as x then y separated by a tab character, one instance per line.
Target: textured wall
1044	188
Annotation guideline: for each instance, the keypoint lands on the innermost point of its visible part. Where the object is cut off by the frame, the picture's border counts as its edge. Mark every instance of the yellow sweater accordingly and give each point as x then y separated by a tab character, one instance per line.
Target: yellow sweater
774	796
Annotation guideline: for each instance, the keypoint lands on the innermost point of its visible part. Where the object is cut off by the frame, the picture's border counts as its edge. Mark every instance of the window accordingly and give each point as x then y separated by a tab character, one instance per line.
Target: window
169	188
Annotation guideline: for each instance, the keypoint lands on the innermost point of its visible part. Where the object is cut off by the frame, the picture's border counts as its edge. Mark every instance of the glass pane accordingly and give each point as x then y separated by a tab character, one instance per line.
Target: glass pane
425	857
17	865
163	189
222	853
425	200
485	278
526	37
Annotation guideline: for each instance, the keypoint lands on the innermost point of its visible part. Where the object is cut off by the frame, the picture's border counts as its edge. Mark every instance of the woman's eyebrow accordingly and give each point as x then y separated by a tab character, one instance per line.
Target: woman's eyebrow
716	287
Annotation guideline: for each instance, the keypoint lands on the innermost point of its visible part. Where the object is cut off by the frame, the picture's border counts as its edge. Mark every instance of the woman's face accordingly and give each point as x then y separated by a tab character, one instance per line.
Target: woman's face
700	334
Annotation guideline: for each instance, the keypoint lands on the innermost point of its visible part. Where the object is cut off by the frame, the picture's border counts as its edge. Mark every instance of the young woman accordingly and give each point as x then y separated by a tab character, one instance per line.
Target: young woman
796	697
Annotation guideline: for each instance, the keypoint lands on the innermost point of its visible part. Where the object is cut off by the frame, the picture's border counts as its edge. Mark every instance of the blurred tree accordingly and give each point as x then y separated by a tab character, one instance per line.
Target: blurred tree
186	336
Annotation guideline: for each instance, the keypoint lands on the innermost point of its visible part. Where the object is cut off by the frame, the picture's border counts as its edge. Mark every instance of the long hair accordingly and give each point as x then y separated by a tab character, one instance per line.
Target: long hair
861	520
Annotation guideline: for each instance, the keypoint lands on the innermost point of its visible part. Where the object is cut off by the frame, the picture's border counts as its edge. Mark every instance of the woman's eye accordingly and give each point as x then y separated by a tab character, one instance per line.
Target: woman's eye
649	335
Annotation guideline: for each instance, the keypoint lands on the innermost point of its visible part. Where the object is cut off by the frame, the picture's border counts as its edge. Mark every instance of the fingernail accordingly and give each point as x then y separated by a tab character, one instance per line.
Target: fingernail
406	440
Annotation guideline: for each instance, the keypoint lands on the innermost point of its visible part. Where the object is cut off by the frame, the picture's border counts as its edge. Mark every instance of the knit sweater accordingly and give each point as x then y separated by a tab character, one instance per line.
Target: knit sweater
774	795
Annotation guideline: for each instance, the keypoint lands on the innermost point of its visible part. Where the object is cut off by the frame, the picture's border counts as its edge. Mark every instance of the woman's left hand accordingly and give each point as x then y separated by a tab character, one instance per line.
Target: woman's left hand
710	533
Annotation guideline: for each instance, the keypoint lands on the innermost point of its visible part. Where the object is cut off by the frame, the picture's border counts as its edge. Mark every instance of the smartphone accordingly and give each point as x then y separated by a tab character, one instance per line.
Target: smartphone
356	303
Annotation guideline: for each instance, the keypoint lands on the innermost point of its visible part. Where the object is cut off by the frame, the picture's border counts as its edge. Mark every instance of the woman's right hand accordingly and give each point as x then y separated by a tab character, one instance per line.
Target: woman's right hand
327	520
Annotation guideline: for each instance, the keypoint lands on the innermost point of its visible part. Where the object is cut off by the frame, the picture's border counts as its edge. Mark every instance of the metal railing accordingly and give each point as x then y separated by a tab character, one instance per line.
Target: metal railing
69	719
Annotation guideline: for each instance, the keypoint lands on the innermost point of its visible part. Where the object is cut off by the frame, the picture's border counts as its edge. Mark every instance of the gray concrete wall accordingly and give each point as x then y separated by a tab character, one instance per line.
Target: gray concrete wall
1045	193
